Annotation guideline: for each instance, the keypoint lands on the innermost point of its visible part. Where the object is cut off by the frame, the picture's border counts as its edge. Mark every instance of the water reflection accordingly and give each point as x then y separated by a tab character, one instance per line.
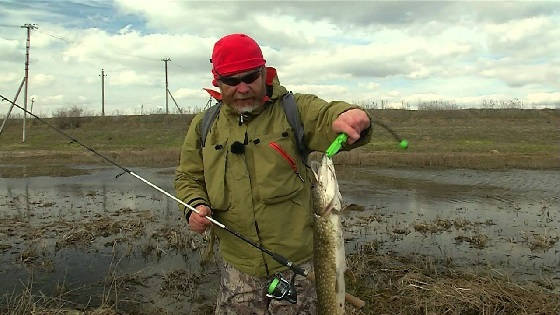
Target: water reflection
512	208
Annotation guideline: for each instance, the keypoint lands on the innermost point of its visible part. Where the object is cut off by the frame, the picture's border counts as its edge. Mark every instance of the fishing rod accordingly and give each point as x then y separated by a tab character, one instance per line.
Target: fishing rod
279	288
279	258
402	142
340	140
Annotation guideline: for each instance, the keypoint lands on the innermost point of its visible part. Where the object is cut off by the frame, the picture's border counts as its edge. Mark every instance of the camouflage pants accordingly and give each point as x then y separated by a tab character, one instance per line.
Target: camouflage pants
240	293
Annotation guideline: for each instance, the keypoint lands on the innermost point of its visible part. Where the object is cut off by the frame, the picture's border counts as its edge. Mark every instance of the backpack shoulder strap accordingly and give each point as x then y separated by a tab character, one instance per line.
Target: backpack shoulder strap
290	109
207	121
292	114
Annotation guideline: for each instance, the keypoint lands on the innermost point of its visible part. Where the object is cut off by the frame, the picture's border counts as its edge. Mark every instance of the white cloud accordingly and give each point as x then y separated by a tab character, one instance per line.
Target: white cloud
9	78
517	75
41	79
189	93
544	98
327	92
131	77
338	50
369	85
52	99
126	29
525	39
518	30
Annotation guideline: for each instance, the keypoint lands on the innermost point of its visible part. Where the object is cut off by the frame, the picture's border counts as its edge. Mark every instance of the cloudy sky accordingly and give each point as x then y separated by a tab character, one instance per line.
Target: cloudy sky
459	52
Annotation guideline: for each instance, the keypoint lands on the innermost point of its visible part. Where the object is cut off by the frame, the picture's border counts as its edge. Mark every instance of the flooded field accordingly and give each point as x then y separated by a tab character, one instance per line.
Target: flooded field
505	220
91	240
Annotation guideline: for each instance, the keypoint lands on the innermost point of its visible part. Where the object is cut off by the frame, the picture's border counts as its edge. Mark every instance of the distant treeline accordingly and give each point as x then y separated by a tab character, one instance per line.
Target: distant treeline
514	103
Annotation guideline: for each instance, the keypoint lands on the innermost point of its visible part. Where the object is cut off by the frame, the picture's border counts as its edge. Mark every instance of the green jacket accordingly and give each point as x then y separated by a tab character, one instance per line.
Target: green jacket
256	192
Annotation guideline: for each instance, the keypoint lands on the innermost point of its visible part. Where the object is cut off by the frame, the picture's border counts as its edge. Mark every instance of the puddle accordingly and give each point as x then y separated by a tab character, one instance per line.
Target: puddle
98	235
17	171
515	213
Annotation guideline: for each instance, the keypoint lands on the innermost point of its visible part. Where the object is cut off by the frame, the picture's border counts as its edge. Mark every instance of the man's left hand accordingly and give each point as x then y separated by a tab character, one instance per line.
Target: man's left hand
352	123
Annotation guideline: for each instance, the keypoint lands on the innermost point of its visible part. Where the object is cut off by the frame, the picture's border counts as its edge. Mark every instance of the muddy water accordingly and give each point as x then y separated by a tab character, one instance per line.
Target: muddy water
47	234
48	239
517	212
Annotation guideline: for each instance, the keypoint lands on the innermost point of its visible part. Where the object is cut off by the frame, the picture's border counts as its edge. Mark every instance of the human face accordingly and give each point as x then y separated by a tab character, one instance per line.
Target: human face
244	97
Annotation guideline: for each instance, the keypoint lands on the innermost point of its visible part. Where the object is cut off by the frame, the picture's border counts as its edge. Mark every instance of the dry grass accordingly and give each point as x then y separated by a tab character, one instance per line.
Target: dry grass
480	139
396	285
118	288
180	284
541	241
85	232
438	225
438	160
27	302
178	237
477	241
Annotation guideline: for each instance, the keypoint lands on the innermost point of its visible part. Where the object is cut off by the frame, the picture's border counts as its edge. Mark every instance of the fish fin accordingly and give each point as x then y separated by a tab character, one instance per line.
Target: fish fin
328	209
314	166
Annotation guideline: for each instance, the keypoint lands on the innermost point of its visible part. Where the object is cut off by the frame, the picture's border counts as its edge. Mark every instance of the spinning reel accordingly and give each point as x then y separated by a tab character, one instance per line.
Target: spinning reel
282	290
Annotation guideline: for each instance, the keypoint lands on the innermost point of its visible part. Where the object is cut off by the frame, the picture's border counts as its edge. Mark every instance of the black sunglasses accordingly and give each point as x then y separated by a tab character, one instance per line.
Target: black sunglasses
248	78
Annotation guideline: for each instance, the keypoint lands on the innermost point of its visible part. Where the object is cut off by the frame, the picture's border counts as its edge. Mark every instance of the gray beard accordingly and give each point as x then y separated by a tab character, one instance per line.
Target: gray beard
247	109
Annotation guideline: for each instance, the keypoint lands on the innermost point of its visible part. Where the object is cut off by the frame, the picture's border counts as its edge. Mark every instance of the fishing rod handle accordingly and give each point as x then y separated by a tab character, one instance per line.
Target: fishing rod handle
354	300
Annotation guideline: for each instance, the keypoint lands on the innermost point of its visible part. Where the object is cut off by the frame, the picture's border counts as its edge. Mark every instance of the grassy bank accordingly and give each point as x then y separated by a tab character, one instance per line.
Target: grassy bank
477	138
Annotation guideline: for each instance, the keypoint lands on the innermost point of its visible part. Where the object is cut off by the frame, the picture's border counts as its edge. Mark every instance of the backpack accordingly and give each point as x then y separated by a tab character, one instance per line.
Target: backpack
290	109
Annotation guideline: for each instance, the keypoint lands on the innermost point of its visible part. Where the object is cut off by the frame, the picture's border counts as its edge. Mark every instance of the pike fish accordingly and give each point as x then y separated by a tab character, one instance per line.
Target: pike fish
329	259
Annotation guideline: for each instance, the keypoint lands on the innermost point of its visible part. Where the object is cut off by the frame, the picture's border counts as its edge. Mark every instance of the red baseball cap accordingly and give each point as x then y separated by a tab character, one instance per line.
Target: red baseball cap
235	53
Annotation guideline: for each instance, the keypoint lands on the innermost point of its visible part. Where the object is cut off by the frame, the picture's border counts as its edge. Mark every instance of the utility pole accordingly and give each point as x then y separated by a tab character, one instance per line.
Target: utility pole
29	27
11	107
103	75
32	101
166	86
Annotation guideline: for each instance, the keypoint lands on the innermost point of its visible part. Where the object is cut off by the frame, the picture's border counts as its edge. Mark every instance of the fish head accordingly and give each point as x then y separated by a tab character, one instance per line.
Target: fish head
326	196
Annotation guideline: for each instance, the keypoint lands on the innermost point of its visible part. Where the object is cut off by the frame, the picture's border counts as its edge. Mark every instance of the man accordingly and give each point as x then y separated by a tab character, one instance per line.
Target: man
242	181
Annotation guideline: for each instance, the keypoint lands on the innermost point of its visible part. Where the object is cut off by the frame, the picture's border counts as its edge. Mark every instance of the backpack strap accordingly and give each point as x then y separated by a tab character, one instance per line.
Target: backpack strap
292	114
207	121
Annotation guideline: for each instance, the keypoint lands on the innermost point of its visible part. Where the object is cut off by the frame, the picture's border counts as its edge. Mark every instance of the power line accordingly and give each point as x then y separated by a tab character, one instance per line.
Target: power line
120	53
178	65
57	37
115	55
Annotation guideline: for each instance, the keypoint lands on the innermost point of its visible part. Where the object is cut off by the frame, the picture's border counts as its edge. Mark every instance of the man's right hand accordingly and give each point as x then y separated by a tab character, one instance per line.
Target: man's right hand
197	221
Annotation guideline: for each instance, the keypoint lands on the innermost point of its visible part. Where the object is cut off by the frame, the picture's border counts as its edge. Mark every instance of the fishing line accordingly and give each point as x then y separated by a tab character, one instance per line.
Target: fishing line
279	288
403	143
279	258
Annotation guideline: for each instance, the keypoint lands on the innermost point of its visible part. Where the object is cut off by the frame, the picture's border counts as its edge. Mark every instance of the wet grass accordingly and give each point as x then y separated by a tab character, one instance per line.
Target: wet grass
180	283
418	285
478	139
542	241
439	225
477	241
125	233
390	284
